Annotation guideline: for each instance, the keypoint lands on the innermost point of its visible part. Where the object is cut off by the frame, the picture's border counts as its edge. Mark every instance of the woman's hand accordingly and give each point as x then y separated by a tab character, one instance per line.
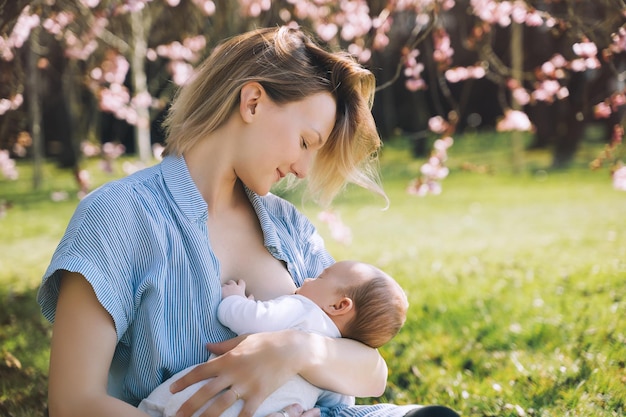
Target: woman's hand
295	410
255	367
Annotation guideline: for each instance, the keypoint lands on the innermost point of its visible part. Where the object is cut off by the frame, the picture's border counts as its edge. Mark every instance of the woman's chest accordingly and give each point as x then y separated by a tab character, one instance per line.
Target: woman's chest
237	242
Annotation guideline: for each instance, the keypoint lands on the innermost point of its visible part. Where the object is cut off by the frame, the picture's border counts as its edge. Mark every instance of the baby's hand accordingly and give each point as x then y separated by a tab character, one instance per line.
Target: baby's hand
234	288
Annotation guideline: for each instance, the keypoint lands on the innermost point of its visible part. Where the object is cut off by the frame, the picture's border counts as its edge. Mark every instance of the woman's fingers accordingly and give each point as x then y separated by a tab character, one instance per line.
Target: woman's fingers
223	401
225	346
197	374
313	412
206	394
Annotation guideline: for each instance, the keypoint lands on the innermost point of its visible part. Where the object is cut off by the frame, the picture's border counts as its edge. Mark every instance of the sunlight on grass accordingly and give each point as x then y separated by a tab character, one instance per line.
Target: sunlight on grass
516	283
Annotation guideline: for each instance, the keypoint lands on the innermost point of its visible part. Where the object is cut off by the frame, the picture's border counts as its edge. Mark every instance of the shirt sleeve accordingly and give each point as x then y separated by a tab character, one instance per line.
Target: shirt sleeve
100	243
243	315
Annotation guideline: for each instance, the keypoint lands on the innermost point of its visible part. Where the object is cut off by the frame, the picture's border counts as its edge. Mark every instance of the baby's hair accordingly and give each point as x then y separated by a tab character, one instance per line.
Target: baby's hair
380	305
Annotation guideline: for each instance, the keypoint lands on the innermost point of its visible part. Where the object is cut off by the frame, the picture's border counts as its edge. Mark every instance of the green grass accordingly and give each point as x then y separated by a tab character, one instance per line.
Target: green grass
516	282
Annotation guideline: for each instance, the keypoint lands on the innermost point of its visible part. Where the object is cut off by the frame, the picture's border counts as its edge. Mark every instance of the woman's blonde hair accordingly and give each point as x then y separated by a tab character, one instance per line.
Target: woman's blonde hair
290	66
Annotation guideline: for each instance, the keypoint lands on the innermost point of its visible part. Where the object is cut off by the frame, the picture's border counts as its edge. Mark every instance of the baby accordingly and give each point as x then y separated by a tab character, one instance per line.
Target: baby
348	299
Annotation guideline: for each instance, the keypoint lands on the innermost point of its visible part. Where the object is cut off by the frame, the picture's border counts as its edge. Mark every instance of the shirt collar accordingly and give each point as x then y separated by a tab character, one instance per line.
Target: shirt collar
270	236
187	197
183	189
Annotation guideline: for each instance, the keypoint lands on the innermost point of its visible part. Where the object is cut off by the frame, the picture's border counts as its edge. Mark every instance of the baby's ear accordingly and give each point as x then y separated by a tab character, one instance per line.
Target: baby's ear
343	306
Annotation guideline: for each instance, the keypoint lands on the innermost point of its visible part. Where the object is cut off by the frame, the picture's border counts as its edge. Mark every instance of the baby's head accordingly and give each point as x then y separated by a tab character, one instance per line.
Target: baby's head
365	302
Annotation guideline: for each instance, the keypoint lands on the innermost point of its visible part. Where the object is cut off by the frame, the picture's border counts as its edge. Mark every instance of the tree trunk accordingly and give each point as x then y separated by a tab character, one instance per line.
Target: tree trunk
517	62
34	108
140	86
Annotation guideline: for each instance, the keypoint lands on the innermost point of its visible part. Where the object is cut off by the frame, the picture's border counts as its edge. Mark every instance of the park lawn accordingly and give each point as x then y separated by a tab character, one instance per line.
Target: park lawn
516	282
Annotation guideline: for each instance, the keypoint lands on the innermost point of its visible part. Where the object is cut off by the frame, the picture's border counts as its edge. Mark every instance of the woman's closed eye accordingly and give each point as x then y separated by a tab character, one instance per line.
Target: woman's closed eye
304	144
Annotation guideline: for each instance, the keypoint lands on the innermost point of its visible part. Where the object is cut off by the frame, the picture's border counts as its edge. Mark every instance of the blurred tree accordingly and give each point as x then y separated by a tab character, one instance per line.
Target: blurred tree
442	65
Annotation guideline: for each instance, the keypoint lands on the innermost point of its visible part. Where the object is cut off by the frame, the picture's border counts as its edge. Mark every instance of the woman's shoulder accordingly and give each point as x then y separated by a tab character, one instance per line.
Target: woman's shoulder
124	192
119	206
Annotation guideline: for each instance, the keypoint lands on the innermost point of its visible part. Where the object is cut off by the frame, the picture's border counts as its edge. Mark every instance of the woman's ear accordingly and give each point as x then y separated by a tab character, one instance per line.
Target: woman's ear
250	95
343	306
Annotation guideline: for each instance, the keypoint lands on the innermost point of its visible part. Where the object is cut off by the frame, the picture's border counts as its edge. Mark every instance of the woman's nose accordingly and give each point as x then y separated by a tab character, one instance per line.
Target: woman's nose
301	168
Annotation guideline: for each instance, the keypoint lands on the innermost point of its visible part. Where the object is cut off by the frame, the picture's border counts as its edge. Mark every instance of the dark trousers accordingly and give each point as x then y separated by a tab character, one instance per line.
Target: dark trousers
432	411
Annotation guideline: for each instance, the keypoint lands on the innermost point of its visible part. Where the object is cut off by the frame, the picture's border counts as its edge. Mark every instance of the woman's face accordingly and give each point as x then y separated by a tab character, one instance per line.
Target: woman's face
284	139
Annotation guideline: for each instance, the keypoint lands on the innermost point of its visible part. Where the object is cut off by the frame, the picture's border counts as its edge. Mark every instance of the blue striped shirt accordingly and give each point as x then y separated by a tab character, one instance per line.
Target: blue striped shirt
142	243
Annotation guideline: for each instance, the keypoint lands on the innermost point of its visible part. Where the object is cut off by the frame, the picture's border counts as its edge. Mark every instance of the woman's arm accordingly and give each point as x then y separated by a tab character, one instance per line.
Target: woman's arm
260	363
83	342
343	365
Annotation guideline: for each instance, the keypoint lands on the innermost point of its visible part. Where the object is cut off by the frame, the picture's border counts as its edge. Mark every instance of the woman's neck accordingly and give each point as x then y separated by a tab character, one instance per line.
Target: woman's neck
210	166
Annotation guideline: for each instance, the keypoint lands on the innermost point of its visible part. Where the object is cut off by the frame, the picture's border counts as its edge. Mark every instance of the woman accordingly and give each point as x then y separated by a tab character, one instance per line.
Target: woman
141	264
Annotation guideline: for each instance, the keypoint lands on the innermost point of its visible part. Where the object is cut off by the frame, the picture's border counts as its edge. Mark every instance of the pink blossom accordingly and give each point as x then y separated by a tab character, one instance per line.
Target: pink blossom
17	101
96	73
84	180
562	93
519	12
443	48
558	61
181	72
422	19
444	143
11	104
89	149
58	196
434	170
514	120
361	53
592	63
457	74
550	22
619	178
618	99
338	230
7	166
327	31
477	72
447	4
20	33
206	6
151	55
114	98
143	100
585	49
521	96
548	68
422	189
90	3
195	43
380	41
602	110
157	151
533	19
415	84
5	105
112	150
578	65
619	41
438	124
